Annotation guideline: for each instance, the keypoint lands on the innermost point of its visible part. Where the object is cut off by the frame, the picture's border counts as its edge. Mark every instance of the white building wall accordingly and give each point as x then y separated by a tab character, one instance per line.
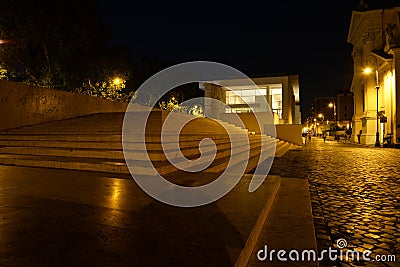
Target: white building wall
374	46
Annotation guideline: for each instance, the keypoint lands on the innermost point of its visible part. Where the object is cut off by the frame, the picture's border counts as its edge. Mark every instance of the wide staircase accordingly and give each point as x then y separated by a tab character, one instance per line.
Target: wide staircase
94	146
94	143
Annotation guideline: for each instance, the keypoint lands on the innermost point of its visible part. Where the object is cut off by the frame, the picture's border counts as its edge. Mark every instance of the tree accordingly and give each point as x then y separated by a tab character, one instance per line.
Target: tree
108	75
60	44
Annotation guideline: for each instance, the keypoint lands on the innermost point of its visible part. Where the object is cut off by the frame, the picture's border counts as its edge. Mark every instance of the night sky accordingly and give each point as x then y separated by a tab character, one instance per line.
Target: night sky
308	38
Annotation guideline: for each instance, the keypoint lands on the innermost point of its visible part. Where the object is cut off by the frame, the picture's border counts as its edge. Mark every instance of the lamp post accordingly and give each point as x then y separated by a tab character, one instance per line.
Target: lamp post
377	143
315	125
333	105
117	82
321	116
368	71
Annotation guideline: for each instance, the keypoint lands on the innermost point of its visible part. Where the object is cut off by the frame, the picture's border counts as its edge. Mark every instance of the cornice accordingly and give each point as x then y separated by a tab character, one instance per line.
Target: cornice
363	27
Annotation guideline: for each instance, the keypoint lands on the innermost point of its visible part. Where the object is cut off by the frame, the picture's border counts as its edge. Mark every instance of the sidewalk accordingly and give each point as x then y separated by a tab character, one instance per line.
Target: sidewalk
288	227
316	142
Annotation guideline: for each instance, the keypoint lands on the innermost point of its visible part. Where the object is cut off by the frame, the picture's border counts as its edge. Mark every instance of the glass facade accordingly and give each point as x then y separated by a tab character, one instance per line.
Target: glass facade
251	100
276	100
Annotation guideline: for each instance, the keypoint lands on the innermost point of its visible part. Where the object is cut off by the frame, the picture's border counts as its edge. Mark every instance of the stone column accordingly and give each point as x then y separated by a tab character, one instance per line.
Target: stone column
285	101
396	63
357	88
214	109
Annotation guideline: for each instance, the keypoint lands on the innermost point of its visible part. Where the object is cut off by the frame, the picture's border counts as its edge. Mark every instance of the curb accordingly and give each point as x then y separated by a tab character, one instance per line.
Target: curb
251	241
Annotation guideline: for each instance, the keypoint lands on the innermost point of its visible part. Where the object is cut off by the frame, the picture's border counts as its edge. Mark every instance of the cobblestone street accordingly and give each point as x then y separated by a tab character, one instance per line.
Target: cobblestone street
355	195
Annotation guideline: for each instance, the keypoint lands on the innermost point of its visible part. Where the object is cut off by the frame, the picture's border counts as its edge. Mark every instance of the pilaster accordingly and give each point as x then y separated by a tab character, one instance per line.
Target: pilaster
396	106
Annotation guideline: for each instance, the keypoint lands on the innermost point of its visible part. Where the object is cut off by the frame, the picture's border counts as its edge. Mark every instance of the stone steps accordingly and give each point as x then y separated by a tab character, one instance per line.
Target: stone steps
94	143
114	162
155	152
107	124
99	150
105	142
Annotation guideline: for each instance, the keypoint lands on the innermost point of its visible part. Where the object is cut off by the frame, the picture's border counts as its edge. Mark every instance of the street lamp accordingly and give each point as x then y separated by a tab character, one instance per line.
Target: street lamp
333	105
321	116
315	125
3	41
368	71
117	82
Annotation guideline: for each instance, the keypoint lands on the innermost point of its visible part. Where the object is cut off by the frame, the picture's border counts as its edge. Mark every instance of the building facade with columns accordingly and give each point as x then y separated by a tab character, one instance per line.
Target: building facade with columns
374	35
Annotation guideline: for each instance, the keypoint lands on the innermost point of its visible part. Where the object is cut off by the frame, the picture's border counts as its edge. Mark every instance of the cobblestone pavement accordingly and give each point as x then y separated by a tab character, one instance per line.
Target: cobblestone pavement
355	192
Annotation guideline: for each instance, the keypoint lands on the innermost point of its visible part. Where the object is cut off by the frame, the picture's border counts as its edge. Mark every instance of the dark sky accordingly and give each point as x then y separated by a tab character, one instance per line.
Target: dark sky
308	38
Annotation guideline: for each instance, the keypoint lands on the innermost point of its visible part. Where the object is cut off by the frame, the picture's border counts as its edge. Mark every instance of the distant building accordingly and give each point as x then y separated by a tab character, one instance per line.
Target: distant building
325	107
374	35
281	92
329	111
345	108
323	113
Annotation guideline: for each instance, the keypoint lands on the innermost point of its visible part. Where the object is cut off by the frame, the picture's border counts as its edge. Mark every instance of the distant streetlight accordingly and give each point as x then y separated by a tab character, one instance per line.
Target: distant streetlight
315	125
333	105
321	116
117	81
2	41
367	71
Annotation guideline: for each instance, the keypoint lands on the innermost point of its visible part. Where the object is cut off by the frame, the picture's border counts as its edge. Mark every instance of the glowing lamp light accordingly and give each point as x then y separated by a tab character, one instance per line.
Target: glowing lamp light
367	70
117	81
5	41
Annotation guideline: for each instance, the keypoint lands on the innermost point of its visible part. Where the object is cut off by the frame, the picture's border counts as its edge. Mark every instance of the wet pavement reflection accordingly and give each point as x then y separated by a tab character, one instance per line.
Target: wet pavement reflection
68	218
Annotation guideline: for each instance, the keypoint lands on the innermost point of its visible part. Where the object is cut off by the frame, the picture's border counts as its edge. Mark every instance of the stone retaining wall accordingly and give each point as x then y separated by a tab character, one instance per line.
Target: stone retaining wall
22	105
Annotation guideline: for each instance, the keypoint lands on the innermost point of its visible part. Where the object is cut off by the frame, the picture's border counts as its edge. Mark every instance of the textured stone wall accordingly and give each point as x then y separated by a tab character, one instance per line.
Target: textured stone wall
213	109
290	133
249	121
22	104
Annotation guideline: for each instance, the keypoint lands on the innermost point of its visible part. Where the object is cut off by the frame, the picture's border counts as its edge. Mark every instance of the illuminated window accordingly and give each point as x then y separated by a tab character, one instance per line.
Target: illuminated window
245	100
276	100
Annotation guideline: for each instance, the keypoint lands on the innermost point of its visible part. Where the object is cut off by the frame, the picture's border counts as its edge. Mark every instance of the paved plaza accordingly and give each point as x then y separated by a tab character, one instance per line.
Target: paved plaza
355	195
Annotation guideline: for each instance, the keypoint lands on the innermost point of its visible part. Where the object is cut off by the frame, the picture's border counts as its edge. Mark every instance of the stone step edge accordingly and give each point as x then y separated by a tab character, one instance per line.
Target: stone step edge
115	145
104	166
282	149
24	159
251	241
101	153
